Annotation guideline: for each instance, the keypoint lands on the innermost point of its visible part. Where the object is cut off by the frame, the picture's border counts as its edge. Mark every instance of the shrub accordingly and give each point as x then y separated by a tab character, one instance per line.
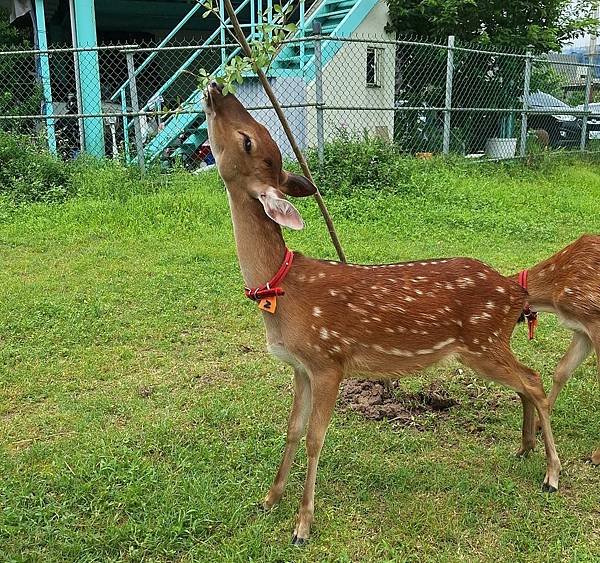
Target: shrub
29	173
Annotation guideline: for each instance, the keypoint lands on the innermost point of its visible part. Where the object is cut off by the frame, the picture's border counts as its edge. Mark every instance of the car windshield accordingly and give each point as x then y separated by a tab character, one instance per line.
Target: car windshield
543	100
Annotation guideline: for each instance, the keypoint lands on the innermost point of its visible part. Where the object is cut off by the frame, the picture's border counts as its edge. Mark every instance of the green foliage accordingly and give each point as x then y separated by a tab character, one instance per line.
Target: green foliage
141	418
29	173
352	164
263	49
19	94
543	25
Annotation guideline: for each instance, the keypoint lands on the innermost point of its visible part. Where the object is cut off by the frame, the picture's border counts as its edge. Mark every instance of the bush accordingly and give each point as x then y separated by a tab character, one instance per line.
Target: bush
29	173
351	163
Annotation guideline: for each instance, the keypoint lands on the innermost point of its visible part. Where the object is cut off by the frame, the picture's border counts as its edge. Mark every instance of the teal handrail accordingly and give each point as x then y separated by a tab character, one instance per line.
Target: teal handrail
168	38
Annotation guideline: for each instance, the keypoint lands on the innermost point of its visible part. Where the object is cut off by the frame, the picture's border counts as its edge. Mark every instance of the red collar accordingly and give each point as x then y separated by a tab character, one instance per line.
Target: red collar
270	289
529	314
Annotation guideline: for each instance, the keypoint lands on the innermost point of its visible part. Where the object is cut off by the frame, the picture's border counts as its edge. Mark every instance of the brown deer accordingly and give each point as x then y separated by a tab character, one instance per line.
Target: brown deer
329	320
568	284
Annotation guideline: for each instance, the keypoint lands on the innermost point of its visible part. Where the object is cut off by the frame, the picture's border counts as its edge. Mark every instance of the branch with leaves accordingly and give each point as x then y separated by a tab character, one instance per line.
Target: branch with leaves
263	50
258	55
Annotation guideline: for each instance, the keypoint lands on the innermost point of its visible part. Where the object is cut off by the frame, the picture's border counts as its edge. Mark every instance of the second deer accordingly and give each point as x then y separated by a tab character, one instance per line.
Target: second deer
330	320
568	284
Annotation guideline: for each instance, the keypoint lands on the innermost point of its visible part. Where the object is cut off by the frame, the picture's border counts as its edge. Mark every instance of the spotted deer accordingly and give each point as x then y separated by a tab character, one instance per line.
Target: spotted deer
330	320
568	284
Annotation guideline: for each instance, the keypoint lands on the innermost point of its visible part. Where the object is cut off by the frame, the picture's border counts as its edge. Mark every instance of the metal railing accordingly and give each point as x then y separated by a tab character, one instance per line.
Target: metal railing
424	97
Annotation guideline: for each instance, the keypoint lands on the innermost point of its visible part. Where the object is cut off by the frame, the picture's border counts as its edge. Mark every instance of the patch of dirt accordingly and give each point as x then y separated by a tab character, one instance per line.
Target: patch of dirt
374	402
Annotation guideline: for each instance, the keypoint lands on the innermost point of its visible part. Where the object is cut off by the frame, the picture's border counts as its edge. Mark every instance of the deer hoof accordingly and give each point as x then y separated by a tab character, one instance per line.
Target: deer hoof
299	542
548	488
524	451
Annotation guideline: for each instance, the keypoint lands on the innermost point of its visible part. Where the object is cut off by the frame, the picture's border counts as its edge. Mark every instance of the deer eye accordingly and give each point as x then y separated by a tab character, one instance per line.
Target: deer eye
247	144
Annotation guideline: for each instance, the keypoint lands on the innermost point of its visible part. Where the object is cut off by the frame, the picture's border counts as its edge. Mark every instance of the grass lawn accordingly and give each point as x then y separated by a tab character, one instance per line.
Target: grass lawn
141	418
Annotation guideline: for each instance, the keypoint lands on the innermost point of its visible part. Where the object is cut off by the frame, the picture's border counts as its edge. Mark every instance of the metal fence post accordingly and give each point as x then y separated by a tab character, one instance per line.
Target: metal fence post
319	92
586	107
139	144
526	83
448	102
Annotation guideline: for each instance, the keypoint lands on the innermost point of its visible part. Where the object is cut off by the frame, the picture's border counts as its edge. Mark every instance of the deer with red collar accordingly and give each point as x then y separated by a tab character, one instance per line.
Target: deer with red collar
330	320
568	284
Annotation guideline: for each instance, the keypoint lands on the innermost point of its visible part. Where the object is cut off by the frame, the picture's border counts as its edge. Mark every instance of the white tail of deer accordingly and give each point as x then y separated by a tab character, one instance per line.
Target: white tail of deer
330	320
568	284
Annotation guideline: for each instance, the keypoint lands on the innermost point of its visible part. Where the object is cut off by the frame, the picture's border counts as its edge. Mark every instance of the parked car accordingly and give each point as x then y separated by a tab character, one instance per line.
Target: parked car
561	128
593	122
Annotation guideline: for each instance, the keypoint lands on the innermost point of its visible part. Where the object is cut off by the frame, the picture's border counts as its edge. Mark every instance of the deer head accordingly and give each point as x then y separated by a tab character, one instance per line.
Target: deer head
249	161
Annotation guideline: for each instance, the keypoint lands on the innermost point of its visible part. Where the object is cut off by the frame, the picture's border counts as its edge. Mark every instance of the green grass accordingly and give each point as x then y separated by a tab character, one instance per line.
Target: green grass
141	418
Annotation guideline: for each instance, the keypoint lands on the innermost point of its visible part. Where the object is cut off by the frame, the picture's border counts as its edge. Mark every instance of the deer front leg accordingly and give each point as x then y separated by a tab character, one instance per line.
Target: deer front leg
296	426
324	387
578	351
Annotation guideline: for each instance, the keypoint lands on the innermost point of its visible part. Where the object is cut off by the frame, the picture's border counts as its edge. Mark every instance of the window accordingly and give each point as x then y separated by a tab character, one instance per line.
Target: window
373	67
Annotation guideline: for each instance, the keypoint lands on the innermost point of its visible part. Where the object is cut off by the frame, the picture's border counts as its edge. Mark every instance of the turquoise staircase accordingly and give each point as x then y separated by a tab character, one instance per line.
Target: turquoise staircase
185	130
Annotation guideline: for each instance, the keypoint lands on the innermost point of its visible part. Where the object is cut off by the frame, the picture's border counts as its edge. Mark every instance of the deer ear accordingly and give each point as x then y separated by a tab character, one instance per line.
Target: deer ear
296	185
280	209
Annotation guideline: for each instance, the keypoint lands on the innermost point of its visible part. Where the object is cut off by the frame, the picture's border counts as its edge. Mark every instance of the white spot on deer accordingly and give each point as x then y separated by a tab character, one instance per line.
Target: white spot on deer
449	286
485	315
335	333
378	348
551	267
376	319
500	289
301	277
333	263
317	347
334	292
316	311
490	339
568	290
400	329
464	282
409	299
324	334
336	348
481	275
424	351
458	322
490	305
312	279
475	340
410	264
444	343
405	353
418	292
389	329
506	309
433	263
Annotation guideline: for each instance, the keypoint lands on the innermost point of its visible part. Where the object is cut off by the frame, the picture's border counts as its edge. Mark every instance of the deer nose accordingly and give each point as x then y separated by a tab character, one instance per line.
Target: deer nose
214	85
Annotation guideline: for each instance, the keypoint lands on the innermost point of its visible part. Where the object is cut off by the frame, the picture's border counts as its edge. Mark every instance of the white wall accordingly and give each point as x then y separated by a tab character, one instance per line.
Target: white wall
344	84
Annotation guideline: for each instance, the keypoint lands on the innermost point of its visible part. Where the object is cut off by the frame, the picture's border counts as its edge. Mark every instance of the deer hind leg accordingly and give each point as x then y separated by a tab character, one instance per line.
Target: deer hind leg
504	368
596	455
528	434
296	427
325	386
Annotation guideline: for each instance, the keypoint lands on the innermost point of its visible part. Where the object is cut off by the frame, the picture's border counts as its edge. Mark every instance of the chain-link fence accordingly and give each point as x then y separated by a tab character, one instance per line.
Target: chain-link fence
143	104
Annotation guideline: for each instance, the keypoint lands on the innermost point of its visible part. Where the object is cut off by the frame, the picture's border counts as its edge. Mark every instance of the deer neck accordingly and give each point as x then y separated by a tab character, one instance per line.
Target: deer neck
259	241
